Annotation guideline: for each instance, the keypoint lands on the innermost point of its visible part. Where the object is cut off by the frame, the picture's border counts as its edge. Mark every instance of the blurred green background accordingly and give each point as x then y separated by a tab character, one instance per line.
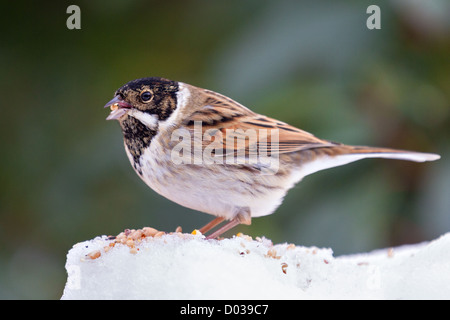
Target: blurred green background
65	177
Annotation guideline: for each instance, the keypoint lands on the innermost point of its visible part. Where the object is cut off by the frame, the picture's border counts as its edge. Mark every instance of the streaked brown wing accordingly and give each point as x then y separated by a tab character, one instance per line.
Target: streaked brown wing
235	127
230	127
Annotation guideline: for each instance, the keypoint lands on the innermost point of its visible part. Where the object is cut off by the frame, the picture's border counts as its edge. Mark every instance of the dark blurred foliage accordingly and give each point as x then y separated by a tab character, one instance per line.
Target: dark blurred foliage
65	177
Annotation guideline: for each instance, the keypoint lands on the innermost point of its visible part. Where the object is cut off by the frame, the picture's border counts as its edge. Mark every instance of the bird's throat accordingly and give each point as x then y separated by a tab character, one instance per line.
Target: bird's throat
137	137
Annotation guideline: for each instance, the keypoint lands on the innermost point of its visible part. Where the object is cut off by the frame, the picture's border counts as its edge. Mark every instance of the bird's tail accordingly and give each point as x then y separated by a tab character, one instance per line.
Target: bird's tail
338	155
373	152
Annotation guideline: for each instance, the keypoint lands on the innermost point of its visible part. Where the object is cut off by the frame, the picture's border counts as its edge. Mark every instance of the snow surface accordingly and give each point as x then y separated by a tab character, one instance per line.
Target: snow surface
183	266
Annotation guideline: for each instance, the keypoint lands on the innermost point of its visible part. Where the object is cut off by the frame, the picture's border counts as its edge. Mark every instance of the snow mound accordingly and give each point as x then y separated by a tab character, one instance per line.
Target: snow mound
185	266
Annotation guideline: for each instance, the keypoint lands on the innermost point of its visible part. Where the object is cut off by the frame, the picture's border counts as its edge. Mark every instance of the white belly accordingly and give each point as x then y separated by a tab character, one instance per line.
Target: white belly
204	189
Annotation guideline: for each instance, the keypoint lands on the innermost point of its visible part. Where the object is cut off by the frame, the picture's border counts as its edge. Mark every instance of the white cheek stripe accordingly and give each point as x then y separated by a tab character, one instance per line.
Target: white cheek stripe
150	120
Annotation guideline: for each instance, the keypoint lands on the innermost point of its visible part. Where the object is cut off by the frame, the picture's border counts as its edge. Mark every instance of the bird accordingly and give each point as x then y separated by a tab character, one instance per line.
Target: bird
207	152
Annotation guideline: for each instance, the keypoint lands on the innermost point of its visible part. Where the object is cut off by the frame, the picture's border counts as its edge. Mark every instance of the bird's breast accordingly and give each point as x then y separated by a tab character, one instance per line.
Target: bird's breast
137	138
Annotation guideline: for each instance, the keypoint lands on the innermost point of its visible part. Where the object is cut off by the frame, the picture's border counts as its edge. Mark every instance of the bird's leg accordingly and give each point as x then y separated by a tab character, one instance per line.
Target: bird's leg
231	224
243	215
211	225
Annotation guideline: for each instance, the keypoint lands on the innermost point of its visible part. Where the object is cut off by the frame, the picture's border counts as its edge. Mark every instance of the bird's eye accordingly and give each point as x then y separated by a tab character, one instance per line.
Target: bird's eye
146	96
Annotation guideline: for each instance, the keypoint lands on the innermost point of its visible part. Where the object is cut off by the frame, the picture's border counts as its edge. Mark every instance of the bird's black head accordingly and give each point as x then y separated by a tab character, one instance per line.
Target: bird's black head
140	106
154	96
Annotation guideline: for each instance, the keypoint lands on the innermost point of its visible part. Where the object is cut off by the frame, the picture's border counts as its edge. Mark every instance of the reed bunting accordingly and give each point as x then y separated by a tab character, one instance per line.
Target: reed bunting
209	153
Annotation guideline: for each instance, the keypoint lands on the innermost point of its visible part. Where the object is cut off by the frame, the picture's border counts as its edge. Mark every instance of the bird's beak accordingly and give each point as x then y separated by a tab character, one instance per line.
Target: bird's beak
118	108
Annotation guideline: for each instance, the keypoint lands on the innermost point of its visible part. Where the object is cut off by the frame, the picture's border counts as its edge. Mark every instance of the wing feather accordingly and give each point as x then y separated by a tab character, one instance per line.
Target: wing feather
235	129
235	126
